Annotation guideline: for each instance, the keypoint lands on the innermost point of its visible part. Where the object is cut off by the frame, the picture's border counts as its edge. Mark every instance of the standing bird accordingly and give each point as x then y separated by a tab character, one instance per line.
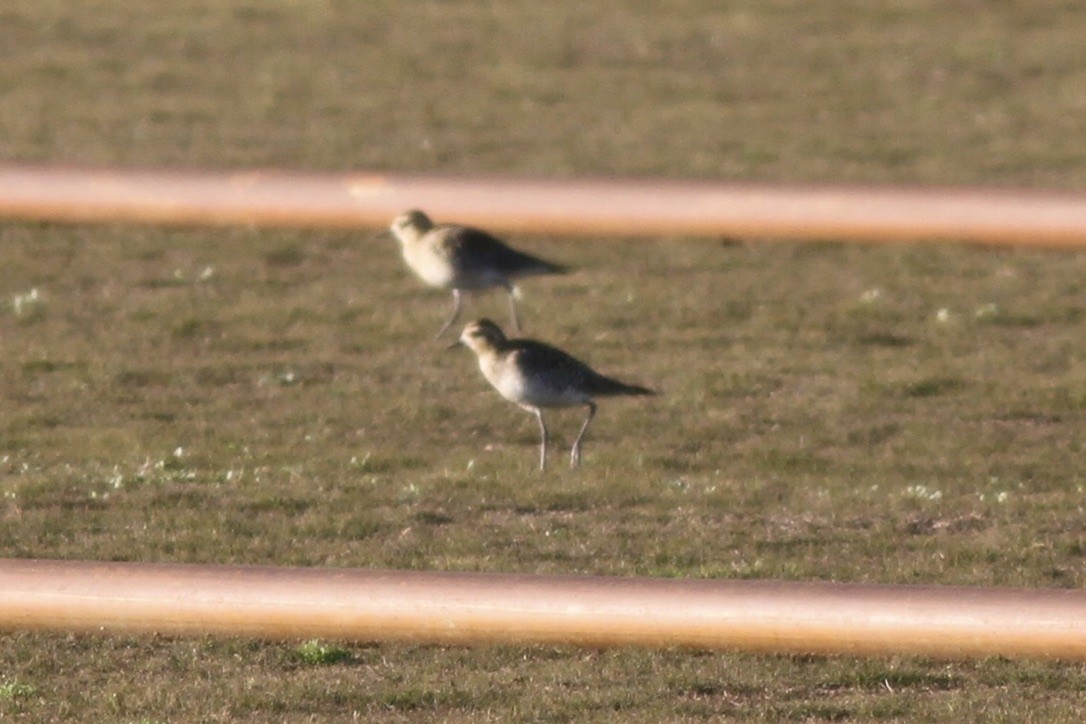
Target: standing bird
461	258
535	375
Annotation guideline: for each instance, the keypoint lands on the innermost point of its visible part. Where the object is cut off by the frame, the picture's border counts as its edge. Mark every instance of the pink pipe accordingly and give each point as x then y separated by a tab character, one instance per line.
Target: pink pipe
574	206
478	608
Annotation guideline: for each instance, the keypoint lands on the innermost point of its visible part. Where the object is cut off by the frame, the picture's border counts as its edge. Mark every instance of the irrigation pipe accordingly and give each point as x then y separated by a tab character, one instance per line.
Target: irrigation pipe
477	608
574	206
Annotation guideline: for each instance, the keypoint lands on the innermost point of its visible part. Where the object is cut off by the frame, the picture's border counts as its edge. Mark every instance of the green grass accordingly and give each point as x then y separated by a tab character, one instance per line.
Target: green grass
16	690
898	414
318	653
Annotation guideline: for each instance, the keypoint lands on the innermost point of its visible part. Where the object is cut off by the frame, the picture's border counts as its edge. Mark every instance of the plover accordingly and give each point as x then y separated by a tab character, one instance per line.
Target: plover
535	375
462	259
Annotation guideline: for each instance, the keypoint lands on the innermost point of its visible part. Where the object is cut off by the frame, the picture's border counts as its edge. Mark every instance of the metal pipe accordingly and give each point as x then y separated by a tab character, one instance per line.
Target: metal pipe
474	608
557	206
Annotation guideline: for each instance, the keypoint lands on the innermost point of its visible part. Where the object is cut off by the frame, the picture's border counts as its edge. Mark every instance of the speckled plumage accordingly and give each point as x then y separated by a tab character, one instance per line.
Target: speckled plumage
461	258
535	375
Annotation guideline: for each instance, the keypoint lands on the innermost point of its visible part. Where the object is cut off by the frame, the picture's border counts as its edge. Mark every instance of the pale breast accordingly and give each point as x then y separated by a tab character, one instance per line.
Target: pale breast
431	267
534	390
450	267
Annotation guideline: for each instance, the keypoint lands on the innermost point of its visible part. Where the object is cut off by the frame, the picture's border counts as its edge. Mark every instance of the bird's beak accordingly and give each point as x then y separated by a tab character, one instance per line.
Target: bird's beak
454	345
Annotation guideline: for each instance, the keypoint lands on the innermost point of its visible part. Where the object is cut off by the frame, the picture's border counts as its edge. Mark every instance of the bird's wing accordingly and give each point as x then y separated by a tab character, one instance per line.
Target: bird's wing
568	371
474	249
539	359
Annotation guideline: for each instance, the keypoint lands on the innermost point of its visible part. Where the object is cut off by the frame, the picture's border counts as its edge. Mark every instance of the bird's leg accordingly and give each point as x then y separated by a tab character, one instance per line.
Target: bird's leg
543	439
513	307
575	454
455	313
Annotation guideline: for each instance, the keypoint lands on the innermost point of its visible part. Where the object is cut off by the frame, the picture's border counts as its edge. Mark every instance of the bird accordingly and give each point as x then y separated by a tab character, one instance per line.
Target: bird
535	375
462	258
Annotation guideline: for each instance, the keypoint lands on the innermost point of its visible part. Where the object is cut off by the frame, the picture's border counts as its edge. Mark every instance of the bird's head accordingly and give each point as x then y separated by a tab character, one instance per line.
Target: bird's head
481	336
410	225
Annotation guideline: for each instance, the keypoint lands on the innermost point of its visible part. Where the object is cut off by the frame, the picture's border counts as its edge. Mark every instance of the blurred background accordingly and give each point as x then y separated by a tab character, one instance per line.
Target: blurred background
910	92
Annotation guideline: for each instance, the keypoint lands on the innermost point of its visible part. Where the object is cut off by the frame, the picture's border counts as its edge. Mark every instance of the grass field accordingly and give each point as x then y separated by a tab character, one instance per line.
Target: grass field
903	414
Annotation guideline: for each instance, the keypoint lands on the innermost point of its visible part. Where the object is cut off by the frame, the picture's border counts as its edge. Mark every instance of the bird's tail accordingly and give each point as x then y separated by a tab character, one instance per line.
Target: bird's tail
608	386
553	268
541	266
528	265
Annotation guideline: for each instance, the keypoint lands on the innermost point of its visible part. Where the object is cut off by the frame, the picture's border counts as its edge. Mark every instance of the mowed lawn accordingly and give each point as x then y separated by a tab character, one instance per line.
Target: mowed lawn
894	414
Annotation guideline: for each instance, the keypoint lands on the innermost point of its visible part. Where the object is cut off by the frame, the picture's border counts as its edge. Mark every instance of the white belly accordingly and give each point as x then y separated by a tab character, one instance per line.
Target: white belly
529	392
429	267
